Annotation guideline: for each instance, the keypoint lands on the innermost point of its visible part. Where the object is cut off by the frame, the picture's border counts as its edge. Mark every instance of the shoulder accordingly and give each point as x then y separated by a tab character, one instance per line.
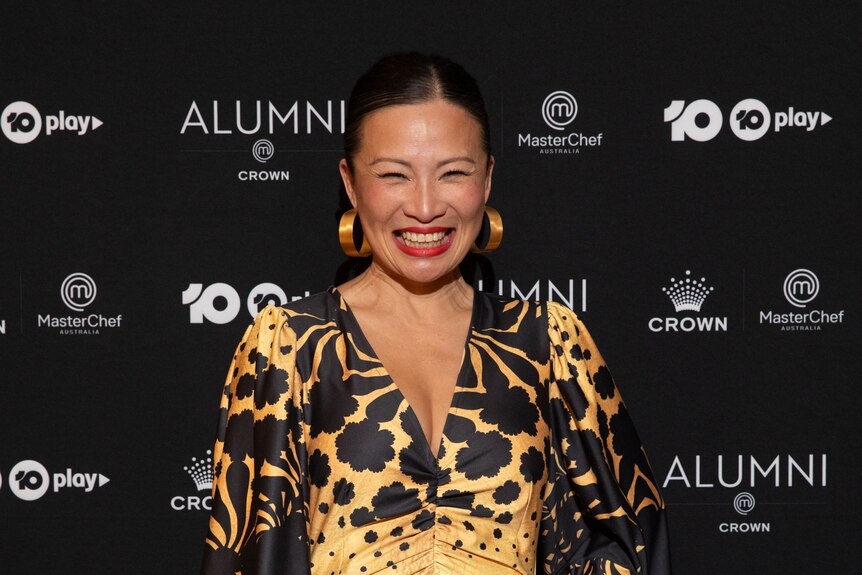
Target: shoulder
563	319
296	316
278	326
570	338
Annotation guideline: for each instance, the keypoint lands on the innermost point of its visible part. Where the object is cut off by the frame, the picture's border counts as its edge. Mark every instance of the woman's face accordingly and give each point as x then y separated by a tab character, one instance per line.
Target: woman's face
419	183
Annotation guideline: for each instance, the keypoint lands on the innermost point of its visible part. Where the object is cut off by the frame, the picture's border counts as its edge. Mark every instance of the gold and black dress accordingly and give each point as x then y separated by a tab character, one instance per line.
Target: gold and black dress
321	466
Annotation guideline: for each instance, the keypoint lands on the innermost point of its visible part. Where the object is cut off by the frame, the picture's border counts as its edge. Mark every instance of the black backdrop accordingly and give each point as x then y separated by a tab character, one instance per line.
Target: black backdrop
101	426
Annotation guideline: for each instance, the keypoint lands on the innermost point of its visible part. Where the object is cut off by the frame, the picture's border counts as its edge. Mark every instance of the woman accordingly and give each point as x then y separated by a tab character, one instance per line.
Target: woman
405	421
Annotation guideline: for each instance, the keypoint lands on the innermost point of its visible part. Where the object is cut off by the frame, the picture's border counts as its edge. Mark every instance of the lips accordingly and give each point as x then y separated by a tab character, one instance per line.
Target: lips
424	242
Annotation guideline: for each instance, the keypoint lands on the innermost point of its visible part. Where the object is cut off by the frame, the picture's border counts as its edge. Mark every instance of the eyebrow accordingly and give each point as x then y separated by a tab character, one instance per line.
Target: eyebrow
439	164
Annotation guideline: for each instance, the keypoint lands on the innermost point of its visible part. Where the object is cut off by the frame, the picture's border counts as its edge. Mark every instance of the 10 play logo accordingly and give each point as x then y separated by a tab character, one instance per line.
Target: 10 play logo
22	123
750	119
29	480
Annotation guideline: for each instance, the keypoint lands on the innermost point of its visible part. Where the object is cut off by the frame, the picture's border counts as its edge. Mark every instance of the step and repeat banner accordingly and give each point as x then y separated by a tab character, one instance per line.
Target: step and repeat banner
684	176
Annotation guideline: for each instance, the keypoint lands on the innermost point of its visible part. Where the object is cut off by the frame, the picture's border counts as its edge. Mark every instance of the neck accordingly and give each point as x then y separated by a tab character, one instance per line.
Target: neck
377	288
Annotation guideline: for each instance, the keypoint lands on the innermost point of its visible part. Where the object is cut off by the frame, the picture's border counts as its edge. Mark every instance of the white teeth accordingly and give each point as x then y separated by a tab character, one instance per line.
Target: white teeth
414	237
415	240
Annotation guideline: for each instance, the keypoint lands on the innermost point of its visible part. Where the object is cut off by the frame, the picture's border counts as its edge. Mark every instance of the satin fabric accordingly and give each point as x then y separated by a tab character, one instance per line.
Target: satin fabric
322	467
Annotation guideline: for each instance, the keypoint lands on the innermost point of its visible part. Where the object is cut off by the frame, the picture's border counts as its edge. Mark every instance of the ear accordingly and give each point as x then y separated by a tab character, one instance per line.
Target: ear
488	177
347	178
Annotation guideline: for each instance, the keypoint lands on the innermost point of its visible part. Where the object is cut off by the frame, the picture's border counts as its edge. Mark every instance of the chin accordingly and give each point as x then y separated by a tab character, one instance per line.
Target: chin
428	272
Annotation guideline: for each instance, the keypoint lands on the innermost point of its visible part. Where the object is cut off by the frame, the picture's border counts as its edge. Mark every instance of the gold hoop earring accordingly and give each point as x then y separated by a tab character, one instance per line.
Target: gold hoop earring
495	233
346	239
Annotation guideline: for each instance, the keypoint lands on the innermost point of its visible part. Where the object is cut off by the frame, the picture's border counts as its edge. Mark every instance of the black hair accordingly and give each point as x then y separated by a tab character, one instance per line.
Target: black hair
412	78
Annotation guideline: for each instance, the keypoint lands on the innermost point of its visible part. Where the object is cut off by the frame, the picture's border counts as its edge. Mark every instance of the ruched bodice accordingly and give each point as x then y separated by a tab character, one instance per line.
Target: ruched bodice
322	466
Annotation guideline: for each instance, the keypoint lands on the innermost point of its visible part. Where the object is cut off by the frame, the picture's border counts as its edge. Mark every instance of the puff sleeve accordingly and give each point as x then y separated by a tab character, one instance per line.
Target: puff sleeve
602	512
258	520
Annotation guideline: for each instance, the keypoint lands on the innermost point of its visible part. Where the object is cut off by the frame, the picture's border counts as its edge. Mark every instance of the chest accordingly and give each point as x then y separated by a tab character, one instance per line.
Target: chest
424	362
391	403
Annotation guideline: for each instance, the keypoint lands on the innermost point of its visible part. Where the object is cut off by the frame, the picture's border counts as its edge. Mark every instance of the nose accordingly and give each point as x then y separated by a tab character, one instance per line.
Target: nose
425	203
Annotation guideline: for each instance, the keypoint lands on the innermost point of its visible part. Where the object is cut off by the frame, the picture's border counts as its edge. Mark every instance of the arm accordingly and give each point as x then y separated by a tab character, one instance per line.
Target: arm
603	510
258	519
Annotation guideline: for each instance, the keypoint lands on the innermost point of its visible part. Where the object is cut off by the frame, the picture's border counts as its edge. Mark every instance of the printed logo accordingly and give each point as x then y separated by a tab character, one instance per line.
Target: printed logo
544	291
688	295
701	120
200	471
77	292
559	110
29	480
21	122
801	480
203	303
807	120
750	119
263	150
800	287
220	303
318	121
297	117
263	295
743	503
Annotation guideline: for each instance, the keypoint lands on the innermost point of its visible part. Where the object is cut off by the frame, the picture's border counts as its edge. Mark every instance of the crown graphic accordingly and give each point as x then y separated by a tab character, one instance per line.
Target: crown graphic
687	294
201	471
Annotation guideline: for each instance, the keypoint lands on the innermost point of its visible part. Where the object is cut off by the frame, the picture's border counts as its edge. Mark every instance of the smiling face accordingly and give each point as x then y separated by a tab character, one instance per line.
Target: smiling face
419	183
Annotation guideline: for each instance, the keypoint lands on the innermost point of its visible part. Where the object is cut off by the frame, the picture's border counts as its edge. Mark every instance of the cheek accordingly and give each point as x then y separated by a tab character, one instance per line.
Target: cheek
375	205
473	203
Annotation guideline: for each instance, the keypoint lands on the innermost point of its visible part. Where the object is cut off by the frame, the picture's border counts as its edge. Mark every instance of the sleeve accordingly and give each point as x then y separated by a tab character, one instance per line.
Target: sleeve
602	512
258	520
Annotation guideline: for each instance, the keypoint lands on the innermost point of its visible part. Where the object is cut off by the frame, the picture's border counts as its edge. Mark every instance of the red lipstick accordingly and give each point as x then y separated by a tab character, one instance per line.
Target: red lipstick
420	252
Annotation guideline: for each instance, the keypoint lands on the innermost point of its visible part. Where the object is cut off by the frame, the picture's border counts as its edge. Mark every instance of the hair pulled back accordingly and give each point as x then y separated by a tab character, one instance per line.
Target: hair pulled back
411	78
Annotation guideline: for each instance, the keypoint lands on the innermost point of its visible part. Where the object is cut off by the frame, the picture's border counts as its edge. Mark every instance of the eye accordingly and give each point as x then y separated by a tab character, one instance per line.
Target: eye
392	175
455	173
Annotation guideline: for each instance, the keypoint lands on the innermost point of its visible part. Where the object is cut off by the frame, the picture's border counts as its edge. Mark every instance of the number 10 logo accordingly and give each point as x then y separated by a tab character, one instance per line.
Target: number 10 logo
701	120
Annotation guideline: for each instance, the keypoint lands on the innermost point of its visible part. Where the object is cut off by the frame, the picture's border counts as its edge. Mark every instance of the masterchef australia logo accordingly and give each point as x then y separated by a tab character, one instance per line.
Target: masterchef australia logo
800	288
78	291
559	110
800	479
687	294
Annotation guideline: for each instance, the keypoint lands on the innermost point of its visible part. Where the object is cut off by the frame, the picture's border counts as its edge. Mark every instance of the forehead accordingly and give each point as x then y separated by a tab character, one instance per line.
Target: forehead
425	127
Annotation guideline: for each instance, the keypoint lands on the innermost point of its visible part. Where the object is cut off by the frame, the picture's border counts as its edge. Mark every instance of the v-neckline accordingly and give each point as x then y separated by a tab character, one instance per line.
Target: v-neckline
465	353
